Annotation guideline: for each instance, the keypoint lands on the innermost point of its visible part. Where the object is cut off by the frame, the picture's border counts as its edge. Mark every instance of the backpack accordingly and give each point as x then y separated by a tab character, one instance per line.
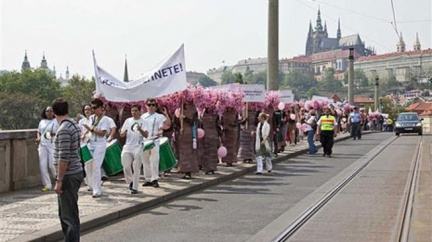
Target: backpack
79	145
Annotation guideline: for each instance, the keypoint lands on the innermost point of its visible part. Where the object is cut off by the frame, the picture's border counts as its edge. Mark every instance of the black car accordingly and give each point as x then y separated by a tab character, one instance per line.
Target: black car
408	123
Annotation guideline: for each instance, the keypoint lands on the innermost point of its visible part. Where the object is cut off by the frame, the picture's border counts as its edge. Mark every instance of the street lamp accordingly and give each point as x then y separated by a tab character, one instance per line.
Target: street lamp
377	93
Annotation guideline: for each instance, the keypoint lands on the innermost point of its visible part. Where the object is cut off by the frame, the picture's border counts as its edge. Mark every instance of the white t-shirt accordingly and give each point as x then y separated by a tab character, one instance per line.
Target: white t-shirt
310	121
82	122
153	122
45	128
103	124
133	136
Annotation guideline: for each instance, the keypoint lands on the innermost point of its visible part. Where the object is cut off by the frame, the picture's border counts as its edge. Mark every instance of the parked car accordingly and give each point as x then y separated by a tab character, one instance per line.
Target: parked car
408	123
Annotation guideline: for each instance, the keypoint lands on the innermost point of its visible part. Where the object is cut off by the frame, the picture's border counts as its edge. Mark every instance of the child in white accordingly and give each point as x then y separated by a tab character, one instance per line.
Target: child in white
262	144
98	127
45	136
133	128
154	123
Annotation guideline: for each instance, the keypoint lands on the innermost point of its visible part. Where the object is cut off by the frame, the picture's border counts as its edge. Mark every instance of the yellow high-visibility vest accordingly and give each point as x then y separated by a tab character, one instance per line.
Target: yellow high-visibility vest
327	123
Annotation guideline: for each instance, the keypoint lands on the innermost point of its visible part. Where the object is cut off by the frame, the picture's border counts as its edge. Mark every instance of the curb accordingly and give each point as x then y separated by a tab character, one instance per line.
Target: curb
54	233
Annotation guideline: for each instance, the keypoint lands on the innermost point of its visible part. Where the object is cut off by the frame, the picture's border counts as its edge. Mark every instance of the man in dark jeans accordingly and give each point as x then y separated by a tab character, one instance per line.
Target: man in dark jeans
69	170
354	122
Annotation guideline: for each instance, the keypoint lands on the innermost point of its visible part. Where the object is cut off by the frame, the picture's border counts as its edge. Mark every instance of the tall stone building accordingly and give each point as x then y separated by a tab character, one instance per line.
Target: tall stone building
318	40
26	64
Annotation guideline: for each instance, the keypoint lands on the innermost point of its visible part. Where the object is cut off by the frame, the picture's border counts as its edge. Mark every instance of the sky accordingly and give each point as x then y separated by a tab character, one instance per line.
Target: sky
214	32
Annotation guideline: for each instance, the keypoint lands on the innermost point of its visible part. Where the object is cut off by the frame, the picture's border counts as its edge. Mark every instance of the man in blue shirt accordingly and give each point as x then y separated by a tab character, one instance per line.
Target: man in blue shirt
355	123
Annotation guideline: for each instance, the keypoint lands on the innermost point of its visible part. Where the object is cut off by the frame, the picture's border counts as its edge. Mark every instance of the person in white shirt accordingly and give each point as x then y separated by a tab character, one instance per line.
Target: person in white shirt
110	136
154	123
262	144
44	138
134	130
98	128
311	126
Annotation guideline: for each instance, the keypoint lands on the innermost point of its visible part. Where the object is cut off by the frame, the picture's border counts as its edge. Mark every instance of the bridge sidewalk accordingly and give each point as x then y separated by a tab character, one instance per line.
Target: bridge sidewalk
30	215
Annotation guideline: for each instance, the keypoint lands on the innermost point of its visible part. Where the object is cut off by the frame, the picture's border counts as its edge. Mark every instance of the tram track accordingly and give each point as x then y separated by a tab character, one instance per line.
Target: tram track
401	232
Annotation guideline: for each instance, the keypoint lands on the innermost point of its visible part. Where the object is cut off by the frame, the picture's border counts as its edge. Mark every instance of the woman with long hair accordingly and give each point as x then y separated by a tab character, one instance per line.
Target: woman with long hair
45	137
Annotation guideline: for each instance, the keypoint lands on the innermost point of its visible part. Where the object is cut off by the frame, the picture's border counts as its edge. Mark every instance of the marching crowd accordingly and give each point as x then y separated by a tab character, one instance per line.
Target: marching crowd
158	140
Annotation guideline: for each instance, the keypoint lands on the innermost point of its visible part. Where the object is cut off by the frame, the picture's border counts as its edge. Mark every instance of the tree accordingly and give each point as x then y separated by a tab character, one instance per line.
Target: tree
248	76
20	111
303	82
238	78
260	78
329	83
78	92
227	77
206	81
312	91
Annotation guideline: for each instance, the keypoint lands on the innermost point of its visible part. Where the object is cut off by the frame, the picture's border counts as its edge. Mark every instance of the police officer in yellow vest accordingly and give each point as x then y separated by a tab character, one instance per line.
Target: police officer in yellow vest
327	130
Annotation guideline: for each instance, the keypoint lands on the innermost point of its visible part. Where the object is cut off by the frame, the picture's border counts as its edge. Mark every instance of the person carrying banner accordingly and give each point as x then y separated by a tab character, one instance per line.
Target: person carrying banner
150	158
131	154
98	127
327	130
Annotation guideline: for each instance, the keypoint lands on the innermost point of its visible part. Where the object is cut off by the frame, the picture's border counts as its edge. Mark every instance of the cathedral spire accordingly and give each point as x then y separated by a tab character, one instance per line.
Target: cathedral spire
26	63
67	72
339	35
319	26
325	29
126	75
417	45
310	27
401	44
44	63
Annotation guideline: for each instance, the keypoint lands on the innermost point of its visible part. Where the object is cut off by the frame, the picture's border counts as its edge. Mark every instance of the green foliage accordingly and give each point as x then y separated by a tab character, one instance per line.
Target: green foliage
206	81
228	77
20	111
238	78
312	91
260	78
303	82
78	92
248	76
329	83
23	96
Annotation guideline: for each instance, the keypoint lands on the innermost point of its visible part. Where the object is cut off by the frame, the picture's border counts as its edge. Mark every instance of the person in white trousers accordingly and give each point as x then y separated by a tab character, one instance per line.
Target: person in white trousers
44	138
262	144
150	158
98	127
131	154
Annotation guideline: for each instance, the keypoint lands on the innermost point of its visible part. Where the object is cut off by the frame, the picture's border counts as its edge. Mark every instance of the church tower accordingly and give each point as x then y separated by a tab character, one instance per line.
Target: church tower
44	63
67	72
26	63
339	34
309	40
401	44
417	45
126	75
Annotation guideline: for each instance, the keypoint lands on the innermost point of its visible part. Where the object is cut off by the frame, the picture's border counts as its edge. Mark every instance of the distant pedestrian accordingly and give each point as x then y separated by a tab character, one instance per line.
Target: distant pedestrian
311	127
327	130
69	170
262	144
355	123
45	138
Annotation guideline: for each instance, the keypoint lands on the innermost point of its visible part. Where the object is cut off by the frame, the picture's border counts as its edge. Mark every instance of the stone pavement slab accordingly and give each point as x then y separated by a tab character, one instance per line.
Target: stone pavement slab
30	215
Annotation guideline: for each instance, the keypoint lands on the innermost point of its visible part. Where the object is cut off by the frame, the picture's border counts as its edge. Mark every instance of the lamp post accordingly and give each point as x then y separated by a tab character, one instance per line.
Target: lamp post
273	45
351	77
376	96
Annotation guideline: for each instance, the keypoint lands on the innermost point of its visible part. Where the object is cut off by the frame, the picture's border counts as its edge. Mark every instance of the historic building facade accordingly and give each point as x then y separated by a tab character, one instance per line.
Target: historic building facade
402	64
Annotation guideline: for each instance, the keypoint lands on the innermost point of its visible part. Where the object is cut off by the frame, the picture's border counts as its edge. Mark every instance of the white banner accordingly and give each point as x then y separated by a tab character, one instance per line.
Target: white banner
253	92
286	96
168	77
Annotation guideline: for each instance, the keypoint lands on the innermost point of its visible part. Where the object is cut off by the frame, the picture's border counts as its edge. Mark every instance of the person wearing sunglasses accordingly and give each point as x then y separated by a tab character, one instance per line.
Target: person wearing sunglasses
150	158
98	127
44	139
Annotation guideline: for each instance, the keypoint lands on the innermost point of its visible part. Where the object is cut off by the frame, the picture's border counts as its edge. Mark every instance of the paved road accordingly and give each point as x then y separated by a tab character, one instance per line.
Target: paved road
238	209
369	207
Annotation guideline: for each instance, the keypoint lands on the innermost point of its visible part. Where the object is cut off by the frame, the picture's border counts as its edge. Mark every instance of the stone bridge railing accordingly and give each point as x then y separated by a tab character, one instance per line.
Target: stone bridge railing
19	161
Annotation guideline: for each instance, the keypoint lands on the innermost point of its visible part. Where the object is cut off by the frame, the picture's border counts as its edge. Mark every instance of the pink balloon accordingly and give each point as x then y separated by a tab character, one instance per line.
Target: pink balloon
222	151
281	106
298	125
200	133
177	112
292	116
